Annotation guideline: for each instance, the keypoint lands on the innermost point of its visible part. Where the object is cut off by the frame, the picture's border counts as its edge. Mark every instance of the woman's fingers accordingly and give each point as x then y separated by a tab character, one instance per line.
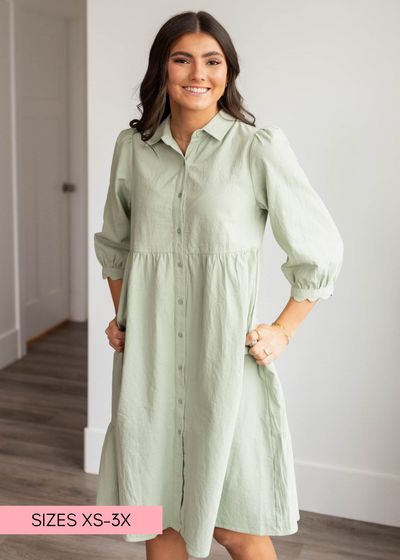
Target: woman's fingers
270	341
251	337
115	336
258	347
117	347
263	359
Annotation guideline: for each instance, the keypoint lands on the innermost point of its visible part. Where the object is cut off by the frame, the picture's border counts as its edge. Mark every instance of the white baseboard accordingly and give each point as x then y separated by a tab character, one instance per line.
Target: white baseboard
350	493
8	348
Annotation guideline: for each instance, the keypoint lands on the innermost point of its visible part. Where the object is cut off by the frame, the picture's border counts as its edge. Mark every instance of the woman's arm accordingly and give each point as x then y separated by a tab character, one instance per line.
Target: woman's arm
300	221
115	289
304	229
294	314
115	336
290	319
112	243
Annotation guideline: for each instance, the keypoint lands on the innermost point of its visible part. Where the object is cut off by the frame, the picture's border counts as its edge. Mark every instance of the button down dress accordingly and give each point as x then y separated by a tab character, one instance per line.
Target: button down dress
197	425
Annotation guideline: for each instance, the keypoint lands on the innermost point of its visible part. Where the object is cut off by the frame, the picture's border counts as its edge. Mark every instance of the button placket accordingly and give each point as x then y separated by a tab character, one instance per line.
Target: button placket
180	326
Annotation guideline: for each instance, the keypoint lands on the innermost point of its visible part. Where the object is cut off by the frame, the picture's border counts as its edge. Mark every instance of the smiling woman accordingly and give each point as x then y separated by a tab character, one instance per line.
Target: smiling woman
197	78
199	421
191	50
204	72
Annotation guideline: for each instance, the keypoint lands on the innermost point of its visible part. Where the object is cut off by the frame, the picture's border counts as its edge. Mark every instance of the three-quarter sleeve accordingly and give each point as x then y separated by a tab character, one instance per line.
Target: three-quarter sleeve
300	221
112	243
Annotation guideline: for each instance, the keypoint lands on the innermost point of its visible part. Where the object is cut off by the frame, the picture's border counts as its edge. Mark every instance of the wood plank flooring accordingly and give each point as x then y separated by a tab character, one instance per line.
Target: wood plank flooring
43	401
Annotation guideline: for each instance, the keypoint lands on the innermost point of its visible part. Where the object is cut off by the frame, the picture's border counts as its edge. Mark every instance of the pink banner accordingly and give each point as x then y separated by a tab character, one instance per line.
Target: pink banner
80	520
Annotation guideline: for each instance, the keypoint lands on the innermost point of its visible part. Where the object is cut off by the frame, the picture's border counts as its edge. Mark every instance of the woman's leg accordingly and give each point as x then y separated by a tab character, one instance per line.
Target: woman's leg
170	545
242	546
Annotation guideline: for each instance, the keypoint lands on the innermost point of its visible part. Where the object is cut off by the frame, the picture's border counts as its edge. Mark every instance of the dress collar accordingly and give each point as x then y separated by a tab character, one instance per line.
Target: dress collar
218	126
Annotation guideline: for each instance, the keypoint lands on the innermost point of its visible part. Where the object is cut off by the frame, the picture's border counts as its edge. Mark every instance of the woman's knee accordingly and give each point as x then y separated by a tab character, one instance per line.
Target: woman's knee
169	541
253	545
170	534
229	539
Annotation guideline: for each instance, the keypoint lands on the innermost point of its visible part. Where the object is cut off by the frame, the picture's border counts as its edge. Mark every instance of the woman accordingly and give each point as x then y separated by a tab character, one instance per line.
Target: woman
198	416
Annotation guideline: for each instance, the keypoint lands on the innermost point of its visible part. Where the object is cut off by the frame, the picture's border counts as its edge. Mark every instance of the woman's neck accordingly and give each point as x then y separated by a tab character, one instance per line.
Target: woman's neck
184	122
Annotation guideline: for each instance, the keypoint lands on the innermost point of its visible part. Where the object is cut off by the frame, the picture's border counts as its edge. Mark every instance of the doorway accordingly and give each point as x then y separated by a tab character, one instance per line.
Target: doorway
48	188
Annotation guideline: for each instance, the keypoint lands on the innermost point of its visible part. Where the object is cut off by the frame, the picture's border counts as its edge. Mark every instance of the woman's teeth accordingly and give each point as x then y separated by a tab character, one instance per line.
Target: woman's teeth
196	90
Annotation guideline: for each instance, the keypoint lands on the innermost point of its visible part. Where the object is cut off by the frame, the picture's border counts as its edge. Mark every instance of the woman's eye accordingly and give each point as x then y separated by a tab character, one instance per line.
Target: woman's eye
184	60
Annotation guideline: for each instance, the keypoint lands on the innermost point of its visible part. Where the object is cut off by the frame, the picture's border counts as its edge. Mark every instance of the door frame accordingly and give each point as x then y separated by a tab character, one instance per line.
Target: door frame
75	14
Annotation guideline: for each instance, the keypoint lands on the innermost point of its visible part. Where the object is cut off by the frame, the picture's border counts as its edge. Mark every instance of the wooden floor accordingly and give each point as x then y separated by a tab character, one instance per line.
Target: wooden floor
43	402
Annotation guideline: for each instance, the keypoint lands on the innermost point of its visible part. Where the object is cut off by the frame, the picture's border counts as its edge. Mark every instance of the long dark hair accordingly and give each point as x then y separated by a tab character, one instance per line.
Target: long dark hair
153	89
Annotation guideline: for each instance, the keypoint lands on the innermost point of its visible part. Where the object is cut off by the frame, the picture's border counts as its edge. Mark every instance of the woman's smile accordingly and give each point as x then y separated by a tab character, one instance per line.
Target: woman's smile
196	90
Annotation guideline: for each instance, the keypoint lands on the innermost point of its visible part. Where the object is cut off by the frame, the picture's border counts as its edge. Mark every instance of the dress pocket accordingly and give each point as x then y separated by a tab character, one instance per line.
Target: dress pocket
275	398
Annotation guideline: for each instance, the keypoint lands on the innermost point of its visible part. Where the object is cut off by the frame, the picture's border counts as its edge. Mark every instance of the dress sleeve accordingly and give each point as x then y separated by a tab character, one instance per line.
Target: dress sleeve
300	221
112	243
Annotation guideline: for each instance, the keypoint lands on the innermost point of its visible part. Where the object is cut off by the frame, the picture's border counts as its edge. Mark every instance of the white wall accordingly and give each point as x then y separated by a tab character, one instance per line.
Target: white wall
328	75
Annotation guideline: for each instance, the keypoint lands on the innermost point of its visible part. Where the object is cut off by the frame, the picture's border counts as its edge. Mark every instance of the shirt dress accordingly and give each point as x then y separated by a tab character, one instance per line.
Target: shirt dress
197	426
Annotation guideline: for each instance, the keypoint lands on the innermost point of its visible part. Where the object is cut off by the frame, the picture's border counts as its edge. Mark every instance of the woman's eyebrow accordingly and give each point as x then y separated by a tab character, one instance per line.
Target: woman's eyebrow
184	53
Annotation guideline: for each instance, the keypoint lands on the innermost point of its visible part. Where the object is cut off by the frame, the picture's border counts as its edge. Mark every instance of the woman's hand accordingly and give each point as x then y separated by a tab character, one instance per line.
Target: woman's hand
115	336
273	339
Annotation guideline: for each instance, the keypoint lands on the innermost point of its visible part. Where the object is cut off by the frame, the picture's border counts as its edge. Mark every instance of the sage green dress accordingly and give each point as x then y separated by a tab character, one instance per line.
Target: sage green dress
197	426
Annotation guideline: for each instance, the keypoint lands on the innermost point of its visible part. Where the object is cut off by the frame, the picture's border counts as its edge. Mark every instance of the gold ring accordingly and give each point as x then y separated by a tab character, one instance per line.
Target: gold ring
259	334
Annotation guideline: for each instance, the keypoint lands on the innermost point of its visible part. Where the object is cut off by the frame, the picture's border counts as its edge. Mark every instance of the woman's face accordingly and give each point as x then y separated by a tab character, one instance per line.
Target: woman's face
196	59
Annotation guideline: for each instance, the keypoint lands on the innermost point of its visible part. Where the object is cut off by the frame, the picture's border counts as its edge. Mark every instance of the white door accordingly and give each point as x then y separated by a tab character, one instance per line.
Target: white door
42	164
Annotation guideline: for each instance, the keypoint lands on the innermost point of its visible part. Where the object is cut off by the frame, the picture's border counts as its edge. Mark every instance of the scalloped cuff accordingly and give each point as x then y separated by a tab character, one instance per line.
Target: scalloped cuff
113	273
312	294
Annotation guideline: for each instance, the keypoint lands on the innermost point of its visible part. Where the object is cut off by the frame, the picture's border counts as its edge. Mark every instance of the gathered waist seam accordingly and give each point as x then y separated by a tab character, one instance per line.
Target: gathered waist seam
197	252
